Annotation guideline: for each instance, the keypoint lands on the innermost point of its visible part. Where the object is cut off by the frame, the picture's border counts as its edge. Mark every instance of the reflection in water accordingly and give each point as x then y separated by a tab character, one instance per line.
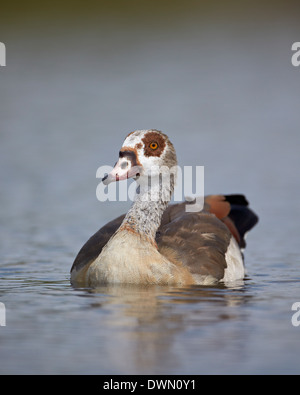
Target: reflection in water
149	324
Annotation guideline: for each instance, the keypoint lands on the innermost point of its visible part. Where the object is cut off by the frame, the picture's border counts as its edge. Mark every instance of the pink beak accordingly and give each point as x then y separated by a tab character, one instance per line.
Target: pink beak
122	171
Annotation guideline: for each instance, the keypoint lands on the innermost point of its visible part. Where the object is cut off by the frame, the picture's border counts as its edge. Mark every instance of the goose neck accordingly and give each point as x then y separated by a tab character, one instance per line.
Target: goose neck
144	217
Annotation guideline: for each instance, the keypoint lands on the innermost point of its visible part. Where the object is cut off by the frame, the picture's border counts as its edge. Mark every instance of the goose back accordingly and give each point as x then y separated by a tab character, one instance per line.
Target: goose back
198	241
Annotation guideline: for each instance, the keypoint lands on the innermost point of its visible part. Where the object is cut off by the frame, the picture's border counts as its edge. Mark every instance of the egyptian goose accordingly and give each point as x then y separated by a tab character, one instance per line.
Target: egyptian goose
157	243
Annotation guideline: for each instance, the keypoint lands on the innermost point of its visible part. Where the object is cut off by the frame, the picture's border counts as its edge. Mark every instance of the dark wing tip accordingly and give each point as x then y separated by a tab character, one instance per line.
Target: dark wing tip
239	200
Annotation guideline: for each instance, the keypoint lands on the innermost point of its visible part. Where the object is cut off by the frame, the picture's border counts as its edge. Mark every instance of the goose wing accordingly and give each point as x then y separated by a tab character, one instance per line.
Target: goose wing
185	228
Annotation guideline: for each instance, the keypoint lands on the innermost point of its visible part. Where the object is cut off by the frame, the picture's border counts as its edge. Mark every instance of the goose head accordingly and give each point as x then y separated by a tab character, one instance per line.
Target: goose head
144	154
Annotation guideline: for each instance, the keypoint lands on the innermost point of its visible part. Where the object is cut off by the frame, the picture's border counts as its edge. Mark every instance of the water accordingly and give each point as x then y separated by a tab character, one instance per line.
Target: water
225	92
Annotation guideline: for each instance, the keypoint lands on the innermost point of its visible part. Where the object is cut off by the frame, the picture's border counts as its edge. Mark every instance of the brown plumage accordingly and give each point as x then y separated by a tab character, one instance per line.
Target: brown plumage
178	235
195	243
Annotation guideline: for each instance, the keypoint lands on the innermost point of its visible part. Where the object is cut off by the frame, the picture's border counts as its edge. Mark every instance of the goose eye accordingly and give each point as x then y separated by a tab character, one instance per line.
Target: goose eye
153	145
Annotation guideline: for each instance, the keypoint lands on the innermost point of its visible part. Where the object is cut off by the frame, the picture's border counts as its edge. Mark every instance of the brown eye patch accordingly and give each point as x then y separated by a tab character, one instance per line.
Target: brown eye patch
154	144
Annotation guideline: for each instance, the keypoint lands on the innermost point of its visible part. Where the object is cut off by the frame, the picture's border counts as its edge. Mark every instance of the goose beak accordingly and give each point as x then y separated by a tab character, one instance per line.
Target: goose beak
122	171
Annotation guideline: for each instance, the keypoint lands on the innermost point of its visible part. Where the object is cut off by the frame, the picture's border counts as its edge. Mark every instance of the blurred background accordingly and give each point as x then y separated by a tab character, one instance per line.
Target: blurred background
216	77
